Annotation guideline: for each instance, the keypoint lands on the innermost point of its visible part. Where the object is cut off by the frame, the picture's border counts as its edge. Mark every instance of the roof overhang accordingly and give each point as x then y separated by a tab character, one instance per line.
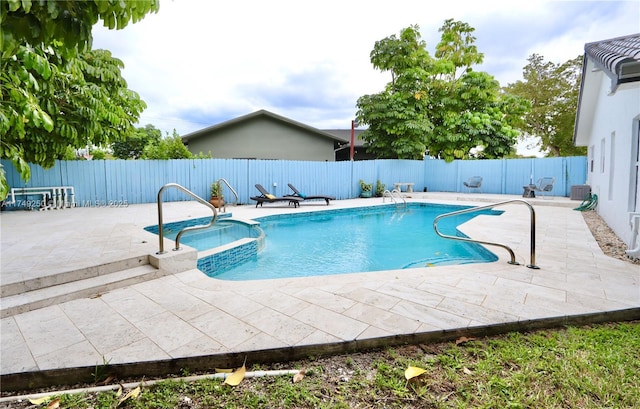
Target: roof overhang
617	58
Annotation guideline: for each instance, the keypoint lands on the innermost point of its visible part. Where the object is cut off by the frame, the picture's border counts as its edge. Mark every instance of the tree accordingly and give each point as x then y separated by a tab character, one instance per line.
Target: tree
553	91
398	116
437	105
57	92
170	147
133	146
76	102
66	22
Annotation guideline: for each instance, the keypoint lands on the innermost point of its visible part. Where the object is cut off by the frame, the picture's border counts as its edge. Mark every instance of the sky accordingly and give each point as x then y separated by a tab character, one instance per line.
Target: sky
198	63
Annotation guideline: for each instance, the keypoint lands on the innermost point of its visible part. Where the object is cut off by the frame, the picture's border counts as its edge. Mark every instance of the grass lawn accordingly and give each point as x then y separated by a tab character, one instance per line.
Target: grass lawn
588	367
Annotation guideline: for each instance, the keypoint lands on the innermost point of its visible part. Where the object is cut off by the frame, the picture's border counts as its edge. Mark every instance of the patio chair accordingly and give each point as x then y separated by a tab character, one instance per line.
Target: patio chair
304	197
265	196
544	185
474	182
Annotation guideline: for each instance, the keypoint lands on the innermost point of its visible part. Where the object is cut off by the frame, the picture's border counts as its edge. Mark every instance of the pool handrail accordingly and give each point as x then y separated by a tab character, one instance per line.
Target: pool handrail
190	228
392	194
231	189
478	208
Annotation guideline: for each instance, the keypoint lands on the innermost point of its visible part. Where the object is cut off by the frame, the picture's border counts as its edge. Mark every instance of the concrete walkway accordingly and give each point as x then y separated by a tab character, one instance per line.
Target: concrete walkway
190	320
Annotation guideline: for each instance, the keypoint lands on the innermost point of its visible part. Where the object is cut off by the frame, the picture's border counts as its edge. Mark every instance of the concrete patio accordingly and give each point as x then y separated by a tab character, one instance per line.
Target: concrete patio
188	320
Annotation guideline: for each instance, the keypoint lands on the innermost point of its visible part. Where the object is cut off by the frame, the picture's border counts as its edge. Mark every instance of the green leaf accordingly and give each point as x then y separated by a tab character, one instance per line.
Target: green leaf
47	121
14	5
4	185
26	5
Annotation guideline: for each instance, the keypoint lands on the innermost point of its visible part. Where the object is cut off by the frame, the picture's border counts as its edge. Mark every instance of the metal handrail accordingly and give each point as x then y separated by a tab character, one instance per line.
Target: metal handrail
393	197
231	189
475	209
181	232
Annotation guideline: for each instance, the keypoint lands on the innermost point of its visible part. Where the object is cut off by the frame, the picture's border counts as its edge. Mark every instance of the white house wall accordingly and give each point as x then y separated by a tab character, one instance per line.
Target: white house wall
611	159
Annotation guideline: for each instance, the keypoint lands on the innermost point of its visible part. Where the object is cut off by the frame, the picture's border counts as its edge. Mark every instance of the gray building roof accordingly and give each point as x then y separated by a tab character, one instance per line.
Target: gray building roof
260	113
618	57
345	135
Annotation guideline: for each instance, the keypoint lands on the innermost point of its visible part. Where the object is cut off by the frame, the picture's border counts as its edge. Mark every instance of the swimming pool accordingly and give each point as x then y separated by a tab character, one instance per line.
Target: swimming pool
355	240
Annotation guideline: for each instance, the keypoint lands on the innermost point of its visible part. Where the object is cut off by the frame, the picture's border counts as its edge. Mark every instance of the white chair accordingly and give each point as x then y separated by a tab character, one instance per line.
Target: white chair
474	182
544	185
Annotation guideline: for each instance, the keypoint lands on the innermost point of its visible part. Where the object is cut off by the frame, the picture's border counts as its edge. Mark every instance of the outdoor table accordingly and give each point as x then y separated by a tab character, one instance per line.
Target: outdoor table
529	191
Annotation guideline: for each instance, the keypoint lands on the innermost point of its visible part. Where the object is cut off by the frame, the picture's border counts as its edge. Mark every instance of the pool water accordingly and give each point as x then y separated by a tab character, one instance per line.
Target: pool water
358	240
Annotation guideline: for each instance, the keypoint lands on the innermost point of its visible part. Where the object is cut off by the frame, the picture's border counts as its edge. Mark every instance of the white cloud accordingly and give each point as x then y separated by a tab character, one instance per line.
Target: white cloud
199	62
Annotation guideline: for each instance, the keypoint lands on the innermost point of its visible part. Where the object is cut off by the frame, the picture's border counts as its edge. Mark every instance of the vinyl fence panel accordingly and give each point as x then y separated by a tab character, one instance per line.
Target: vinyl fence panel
105	182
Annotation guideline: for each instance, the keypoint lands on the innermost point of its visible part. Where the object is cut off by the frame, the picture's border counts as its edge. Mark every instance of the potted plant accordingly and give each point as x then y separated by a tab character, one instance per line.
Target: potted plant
379	188
365	188
217	198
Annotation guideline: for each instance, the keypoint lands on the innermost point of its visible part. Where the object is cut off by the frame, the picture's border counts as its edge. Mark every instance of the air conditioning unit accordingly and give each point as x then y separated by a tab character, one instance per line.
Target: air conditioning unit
580	192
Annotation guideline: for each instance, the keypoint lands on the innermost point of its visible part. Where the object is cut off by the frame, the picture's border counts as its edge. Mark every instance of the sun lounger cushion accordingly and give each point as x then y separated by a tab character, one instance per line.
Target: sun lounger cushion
270	197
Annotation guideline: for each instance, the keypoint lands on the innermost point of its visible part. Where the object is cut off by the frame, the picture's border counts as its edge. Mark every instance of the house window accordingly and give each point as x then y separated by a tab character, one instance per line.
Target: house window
603	144
592	148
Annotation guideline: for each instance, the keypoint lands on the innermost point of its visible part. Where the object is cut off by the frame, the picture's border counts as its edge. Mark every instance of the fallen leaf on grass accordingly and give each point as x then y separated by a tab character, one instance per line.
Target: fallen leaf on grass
40	401
132	394
54	404
467	370
462	340
412	372
299	376
236	377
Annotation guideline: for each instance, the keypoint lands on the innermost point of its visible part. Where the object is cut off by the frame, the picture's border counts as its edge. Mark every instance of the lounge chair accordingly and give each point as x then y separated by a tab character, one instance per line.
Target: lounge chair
269	198
304	197
474	182
544	185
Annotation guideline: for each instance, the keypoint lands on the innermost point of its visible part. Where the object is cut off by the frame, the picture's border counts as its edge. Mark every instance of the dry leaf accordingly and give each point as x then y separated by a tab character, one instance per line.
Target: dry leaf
54	404
236	377
462	340
135	393
107	381
466	370
223	370
119	391
299	376
412	372
132	394
40	401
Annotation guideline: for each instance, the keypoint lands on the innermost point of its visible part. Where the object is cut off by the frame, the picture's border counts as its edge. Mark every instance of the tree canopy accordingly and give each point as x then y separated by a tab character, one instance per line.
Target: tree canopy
68	23
56	91
553	91
437	105
133	147
170	147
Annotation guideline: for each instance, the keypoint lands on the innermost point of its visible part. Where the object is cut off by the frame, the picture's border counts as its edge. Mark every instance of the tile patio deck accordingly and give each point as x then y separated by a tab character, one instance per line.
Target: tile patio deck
189	319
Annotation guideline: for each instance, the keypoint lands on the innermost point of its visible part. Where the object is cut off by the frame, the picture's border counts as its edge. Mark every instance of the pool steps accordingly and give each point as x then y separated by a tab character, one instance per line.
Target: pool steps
38	293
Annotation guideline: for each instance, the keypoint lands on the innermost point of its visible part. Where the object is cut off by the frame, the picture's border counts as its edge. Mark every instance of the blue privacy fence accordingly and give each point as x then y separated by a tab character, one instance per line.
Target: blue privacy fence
102	182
